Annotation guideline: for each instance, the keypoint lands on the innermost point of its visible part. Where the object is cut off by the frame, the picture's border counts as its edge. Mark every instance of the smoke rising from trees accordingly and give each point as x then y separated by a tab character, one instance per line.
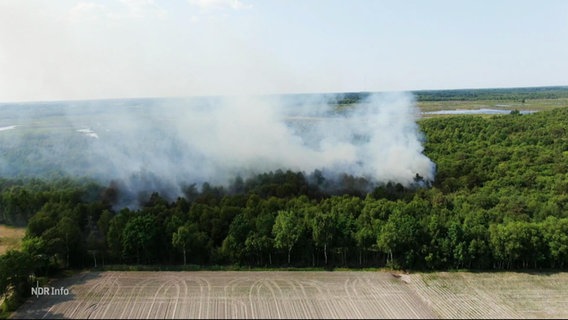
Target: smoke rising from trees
163	144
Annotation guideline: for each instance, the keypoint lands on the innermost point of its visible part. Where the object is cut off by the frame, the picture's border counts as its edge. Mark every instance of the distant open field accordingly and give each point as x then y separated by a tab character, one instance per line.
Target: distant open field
10	237
529	104
532	105
299	294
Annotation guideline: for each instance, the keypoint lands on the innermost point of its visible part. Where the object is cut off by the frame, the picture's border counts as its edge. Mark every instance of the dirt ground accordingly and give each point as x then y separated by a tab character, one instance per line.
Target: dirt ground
230	295
494	295
299	294
10	237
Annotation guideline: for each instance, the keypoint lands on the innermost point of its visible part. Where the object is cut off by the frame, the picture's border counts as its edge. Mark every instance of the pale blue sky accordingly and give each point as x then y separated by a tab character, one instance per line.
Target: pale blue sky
65	49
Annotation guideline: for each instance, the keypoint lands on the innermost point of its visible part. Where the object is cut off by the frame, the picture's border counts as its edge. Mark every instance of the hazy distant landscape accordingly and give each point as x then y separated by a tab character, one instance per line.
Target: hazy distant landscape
215	138
323	182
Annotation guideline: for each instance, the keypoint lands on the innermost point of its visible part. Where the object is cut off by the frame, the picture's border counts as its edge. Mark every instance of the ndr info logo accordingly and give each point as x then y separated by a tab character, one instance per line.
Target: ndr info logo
49	291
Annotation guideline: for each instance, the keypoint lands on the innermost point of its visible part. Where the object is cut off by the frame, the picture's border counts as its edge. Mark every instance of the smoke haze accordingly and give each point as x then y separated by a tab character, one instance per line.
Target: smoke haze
163	144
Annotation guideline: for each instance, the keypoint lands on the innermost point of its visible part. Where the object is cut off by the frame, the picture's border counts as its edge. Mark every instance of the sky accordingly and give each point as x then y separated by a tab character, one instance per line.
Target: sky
98	49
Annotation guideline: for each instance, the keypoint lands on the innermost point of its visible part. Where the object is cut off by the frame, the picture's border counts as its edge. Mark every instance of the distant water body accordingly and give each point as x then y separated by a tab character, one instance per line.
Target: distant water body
7	128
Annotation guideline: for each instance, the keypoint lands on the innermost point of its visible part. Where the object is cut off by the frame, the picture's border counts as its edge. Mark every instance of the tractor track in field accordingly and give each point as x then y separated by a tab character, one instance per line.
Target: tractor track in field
304	294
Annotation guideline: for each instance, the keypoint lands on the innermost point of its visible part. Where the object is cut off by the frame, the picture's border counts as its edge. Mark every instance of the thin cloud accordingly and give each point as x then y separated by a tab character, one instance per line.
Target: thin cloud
219	4
87	11
119	10
143	8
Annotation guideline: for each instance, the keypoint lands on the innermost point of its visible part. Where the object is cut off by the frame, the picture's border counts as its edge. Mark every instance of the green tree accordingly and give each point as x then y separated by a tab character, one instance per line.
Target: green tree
16	267
70	235
258	245
35	247
234	244
288	228
115	232
188	237
398	236
323	230
138	237
555	233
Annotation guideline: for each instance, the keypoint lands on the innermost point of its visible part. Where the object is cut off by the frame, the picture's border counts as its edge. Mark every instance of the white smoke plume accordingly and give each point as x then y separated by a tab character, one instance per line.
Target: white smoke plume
165	144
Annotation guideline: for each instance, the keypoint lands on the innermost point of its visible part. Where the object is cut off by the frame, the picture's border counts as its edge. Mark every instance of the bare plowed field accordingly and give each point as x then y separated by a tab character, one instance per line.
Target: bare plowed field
230	295
304	295
495	295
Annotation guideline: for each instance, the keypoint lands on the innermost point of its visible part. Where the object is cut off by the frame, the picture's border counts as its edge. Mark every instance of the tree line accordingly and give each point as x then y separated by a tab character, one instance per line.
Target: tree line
516	94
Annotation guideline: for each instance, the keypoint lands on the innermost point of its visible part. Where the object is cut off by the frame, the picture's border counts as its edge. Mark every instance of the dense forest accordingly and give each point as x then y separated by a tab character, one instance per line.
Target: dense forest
514	94
518	94
499	201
